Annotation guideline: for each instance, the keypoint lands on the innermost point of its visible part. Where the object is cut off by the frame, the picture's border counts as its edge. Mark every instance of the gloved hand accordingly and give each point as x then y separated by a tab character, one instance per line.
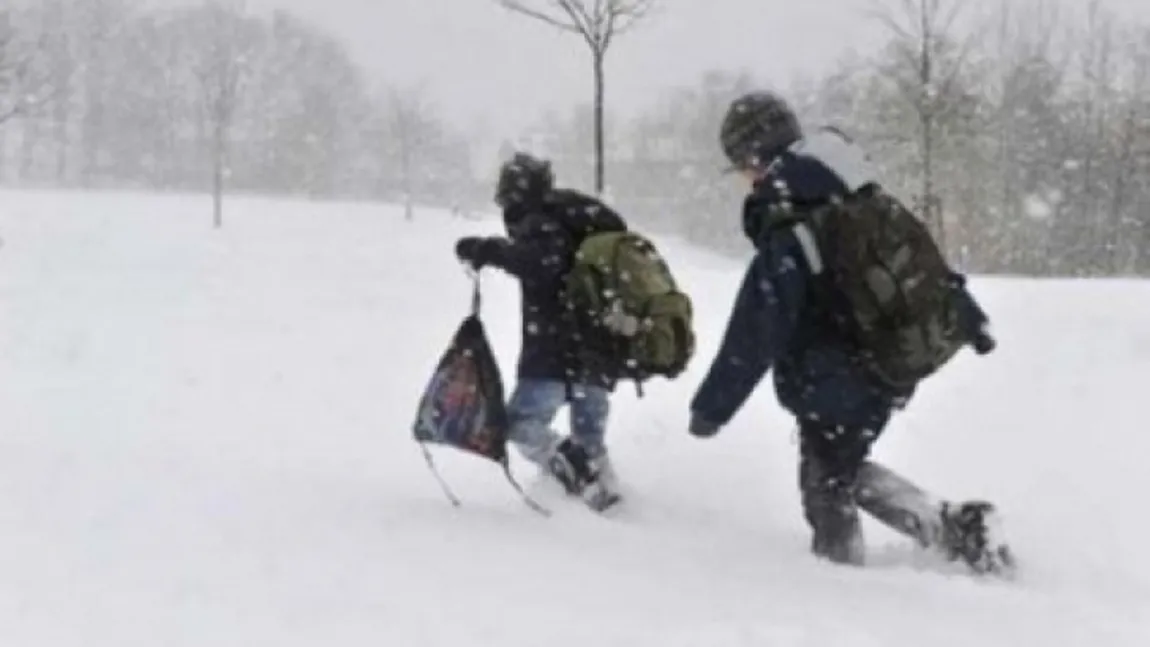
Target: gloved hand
972	319
983	343
702	428
470	250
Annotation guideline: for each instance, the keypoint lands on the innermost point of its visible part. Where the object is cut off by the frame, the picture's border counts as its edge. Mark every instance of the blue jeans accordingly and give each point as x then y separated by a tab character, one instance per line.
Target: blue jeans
533	407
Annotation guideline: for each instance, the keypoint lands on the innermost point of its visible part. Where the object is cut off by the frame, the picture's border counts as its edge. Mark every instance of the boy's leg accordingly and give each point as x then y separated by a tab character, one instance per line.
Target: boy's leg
590	407
530	412
968	530
898	503
830	458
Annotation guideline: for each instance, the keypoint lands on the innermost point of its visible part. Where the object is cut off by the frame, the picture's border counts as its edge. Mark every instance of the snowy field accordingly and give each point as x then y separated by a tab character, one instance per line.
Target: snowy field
205	441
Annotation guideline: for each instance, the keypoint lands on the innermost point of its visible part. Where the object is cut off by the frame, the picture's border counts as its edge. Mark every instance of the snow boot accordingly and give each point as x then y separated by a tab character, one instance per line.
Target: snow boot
592	479
602	491
971	532
570	465
958	531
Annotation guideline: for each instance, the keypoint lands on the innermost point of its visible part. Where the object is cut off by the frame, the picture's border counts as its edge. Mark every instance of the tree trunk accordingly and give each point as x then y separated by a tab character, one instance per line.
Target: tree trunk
93	121
405	163
63	69
933	214
932	203
60	128
600	163
1119	258
403	124
29	138
218	160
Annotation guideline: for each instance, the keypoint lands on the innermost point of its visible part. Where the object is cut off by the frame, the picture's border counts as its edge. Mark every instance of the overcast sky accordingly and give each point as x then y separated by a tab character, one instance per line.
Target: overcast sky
483	63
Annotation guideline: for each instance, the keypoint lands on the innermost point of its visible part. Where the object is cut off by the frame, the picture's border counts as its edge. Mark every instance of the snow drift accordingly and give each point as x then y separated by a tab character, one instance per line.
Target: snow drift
205	440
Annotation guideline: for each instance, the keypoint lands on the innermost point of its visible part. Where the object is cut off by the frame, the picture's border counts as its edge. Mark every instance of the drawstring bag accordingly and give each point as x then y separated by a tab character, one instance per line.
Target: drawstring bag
463	405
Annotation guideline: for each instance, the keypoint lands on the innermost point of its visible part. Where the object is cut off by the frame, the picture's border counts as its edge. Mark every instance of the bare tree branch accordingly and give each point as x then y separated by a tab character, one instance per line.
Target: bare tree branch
585	23
582	18
597	21
559	22
629	12
622	15
884	16
946	25
957	65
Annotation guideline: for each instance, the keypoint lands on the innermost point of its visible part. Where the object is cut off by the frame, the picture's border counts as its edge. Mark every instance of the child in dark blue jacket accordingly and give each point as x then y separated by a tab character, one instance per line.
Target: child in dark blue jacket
778	322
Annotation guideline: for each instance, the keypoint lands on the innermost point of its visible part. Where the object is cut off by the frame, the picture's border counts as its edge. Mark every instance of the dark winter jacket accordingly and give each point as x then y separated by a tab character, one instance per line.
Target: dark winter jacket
776	322
539	250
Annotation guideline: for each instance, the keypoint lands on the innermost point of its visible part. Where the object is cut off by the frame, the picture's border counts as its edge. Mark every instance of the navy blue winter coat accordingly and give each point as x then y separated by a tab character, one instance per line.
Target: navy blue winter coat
539	251
776	323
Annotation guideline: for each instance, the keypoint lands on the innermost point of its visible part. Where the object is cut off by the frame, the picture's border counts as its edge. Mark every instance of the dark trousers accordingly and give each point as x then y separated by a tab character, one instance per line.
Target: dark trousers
830	459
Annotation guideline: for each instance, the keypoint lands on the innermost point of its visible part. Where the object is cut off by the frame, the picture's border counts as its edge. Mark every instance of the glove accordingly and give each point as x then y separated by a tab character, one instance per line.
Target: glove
470	250
702	428
983	343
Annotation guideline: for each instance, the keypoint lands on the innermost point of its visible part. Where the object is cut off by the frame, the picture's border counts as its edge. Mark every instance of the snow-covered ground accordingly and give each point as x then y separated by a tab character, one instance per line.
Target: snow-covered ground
205	441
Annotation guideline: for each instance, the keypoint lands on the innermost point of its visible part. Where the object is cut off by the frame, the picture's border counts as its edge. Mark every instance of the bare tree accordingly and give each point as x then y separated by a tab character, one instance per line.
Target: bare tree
1021	194
598	22
1128	154
25	80
1098	61
431	159
222	70
925	42
63	68
24	83
407	108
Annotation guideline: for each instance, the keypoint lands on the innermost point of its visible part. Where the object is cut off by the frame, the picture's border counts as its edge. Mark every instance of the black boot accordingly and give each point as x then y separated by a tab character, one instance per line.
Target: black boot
602	491
962	531
571	466
969	533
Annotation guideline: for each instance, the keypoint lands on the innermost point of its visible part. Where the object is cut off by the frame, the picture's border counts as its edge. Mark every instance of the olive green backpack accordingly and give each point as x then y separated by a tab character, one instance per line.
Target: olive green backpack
628	306
890	289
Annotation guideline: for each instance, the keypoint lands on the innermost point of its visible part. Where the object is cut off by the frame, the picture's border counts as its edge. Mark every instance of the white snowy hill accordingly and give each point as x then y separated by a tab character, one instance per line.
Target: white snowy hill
205	441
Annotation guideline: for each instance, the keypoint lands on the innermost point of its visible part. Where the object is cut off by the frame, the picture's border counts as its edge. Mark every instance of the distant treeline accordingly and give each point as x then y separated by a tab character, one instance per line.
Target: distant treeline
1024	137
107	93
